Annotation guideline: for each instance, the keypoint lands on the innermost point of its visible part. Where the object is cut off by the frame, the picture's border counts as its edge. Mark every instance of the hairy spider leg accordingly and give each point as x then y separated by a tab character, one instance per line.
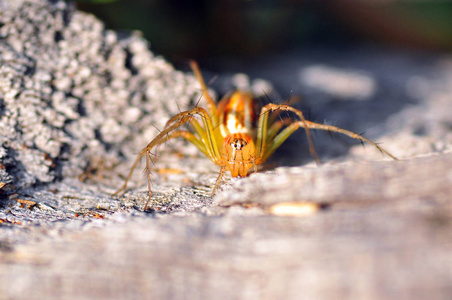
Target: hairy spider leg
207	144
293	126
211	106
262	143
223	170
161	138
289	102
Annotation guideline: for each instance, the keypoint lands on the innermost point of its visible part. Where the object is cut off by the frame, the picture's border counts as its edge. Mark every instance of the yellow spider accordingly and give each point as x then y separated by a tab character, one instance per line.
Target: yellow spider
233	136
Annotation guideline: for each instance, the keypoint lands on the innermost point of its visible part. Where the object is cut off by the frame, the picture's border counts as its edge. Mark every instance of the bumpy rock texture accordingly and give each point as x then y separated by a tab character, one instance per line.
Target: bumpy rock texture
78	102
75	97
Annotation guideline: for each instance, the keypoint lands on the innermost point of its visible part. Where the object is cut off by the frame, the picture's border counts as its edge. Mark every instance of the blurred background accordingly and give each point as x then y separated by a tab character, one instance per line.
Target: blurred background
210	31
356	64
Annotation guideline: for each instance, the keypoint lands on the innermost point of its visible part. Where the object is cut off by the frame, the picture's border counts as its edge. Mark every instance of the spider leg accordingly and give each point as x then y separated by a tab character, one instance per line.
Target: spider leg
148	176
181	133
208	146
276	126
351	134
155	142
291	128
211	107
262	133
217	182
290	102
207	134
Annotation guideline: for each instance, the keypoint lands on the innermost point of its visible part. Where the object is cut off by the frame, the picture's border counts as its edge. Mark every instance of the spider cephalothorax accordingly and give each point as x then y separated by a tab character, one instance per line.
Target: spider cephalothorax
237	134
240	151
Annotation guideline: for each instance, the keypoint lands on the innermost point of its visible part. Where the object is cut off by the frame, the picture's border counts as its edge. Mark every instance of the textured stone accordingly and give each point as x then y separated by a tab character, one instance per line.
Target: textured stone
61	68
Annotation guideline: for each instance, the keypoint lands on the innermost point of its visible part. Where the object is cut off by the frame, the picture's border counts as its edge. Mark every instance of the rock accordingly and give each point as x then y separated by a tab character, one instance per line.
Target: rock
60	68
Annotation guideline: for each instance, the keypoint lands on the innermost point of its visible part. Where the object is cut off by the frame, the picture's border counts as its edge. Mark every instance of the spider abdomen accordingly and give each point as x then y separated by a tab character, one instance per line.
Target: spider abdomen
237	113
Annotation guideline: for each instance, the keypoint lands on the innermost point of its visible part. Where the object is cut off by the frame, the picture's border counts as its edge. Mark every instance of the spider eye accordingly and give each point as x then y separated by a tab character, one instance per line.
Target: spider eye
238	144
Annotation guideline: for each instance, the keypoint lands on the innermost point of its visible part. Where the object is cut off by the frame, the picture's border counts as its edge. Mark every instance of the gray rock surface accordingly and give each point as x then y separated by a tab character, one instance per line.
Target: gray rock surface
77	98
78	102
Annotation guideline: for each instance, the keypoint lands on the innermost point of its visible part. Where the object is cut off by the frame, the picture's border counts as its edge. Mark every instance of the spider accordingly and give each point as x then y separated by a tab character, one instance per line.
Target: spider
233	135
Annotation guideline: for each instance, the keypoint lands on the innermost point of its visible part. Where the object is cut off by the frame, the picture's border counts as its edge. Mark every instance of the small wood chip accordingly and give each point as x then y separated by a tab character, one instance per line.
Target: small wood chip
295	209
2	184
24	202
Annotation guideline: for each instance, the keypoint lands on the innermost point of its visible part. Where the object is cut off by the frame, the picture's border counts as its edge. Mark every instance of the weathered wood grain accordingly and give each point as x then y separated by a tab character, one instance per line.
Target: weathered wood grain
362	246
421	178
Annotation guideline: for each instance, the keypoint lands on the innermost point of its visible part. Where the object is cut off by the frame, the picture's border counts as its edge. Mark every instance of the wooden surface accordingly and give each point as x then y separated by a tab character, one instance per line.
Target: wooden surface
388	237
422	178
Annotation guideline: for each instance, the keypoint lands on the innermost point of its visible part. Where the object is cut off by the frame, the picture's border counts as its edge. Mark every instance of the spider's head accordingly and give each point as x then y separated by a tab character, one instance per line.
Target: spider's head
240	151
